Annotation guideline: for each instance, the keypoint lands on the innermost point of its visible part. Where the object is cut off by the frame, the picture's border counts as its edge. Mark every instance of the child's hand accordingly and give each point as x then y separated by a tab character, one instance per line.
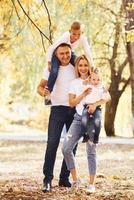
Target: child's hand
91	108
46	91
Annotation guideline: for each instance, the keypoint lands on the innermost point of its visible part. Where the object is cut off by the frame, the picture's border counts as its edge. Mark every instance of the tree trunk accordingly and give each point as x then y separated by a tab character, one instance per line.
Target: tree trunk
129	27
110	113
130	51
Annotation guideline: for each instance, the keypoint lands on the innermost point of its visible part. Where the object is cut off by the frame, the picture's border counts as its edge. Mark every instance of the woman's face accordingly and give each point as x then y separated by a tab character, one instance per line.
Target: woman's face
83	68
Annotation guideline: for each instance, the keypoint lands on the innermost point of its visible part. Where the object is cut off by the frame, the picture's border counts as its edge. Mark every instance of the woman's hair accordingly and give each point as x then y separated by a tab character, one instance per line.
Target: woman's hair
82	57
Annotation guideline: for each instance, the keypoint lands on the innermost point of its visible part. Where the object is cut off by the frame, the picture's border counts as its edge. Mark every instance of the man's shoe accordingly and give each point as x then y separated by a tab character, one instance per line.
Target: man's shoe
46	187
64	183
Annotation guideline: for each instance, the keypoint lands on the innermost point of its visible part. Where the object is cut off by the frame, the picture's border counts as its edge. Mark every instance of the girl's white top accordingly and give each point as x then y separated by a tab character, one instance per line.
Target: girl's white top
99	92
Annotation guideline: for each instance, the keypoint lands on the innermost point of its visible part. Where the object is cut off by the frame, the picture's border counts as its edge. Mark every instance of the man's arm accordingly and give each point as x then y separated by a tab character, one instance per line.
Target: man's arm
41	90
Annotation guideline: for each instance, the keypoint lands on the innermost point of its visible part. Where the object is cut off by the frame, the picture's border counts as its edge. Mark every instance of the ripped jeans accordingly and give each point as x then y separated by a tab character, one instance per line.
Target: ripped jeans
70	141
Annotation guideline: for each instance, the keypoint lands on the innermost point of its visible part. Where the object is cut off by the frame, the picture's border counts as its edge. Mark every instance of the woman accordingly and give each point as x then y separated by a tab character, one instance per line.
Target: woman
77	94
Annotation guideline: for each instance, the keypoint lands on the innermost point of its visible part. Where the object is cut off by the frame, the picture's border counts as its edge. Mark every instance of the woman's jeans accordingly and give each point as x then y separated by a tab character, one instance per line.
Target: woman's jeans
91	124
55	63
70	141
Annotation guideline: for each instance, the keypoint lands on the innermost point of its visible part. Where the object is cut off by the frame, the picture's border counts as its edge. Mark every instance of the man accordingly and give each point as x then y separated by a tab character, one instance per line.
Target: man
61	114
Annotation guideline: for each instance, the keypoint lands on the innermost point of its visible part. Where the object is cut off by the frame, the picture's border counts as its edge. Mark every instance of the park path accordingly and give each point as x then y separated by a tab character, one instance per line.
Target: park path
25	133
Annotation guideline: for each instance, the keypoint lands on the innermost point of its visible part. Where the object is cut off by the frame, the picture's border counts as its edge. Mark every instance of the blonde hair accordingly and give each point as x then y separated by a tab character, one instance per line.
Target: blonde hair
78	59
75	25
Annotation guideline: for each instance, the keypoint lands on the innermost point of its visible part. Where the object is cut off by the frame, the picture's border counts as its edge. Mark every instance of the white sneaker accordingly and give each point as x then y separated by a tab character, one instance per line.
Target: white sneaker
90	189
75	184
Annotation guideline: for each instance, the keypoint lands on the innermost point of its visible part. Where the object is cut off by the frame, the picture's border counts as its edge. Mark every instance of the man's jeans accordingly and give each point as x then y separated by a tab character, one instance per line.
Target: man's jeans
59	116
91	124
54	70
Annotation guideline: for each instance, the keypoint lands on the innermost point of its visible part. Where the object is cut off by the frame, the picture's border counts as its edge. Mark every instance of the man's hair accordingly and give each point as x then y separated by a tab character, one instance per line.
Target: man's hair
62	45
76	25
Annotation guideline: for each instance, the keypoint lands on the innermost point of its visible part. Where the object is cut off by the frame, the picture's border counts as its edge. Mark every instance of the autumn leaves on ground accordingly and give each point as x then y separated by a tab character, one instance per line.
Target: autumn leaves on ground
21	172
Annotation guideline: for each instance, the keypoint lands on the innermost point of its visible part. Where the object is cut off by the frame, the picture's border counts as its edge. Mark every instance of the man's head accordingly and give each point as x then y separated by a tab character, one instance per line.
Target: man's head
63	53
75	31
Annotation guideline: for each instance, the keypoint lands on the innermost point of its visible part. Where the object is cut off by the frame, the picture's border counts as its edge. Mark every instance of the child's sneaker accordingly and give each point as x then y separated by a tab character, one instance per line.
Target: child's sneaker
47	100
90	189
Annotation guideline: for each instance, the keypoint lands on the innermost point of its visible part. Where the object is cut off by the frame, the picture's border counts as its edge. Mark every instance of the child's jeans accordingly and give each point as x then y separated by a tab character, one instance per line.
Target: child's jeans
91	124
55	63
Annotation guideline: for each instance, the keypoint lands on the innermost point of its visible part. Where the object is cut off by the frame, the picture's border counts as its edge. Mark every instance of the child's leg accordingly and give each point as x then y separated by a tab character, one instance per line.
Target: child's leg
53	72
73	57
84	118
97	122
91	128
84	121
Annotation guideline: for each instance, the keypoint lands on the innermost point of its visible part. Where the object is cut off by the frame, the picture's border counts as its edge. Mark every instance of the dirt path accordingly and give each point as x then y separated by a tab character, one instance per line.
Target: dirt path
21	172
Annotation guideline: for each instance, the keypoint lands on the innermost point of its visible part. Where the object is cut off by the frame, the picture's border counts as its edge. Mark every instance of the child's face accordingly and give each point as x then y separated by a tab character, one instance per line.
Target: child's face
74	35
95	79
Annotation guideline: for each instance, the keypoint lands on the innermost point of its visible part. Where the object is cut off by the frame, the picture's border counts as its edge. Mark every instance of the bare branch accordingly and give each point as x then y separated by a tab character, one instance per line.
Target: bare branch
33	22
125	85
49	19
43	42
121	67
15	9
105	8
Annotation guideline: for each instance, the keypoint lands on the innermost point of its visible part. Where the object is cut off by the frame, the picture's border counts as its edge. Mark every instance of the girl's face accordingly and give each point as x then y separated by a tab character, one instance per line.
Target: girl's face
83	68
95	79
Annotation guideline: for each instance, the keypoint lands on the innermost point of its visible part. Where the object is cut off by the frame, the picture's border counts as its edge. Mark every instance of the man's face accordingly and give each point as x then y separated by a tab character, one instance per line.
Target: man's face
64	55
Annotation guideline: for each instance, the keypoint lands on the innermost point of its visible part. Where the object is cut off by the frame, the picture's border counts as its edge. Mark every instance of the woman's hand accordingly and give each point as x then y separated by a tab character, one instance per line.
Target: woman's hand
86	92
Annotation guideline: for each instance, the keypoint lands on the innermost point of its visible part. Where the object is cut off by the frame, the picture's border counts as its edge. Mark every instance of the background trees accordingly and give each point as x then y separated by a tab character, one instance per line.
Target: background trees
29	27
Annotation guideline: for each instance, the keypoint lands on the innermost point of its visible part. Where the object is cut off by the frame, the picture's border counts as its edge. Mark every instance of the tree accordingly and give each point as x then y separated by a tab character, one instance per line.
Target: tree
118	82
129	27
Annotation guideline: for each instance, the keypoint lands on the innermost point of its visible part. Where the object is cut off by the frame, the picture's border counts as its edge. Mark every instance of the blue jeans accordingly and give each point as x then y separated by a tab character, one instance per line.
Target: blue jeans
59	116
55	63
70	141
91	124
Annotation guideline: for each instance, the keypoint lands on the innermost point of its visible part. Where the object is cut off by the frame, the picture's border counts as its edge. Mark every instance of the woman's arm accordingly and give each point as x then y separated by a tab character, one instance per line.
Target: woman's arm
74	100
92	107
